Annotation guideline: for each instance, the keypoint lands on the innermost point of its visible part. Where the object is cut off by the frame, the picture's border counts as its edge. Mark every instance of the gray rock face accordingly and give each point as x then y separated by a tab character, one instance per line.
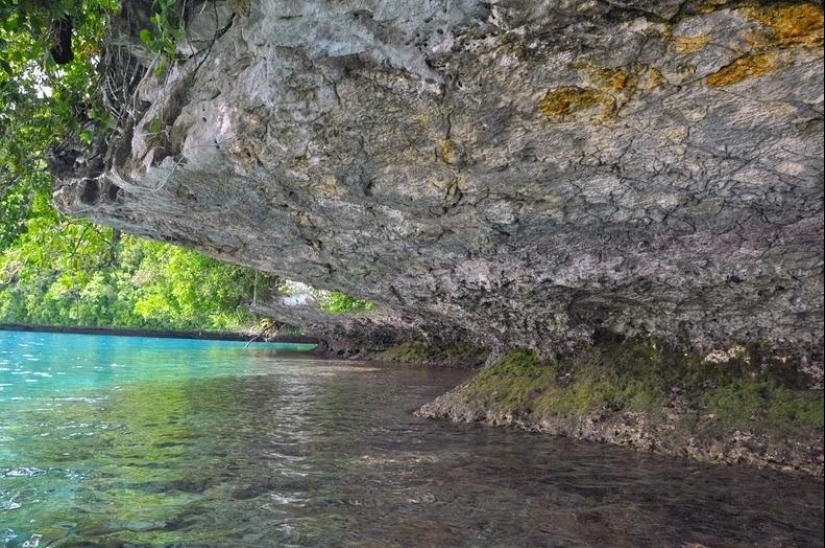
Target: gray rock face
521	172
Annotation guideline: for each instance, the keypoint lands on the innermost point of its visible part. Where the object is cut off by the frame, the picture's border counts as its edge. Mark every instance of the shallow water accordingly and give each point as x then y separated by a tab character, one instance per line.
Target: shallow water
108	441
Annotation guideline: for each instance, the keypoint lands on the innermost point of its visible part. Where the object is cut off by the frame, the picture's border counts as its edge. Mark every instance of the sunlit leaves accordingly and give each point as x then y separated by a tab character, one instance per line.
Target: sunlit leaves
39	101
83	278
336	302
62	271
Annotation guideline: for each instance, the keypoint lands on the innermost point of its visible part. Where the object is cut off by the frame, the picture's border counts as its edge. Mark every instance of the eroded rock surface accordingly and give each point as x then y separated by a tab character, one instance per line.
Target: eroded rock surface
519	172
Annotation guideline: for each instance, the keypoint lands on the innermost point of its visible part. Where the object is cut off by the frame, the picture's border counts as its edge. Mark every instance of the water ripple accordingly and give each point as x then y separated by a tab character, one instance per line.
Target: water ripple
200	444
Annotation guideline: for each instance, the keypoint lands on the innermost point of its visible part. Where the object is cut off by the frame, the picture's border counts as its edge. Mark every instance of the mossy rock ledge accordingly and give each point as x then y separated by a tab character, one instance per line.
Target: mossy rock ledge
520	174
731	407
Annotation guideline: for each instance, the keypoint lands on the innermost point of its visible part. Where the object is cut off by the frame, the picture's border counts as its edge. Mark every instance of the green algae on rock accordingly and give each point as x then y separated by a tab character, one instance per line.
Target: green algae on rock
647	395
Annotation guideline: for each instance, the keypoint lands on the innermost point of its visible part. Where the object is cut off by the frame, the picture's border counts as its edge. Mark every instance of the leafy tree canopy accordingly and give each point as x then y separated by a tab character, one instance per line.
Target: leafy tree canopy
62	271
59	270
41	99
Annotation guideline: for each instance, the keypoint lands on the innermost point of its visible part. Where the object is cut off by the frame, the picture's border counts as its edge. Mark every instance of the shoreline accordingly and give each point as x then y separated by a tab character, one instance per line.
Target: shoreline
156	333
653	400
649	398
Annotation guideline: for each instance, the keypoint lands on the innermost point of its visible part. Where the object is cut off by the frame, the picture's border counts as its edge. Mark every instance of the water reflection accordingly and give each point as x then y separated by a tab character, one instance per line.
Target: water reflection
265	451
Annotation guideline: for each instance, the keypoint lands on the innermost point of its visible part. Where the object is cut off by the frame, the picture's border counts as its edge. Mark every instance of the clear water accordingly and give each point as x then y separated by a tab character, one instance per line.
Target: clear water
109	441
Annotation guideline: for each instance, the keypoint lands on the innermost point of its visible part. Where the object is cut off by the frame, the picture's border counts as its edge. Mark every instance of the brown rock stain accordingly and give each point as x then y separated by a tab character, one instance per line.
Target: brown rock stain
611	88
709	6
246	152
743	67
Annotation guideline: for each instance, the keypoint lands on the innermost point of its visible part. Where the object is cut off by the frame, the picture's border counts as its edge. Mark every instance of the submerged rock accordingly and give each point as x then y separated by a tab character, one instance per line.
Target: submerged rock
508	174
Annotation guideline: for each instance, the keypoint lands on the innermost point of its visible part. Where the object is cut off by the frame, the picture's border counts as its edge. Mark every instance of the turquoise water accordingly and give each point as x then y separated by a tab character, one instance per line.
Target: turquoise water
108	441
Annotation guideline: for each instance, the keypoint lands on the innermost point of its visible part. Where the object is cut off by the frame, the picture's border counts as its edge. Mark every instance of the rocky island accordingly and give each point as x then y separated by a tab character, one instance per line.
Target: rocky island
616	205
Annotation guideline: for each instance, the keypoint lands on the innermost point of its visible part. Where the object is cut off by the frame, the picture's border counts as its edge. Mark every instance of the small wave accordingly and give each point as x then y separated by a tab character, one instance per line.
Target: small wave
72	474
286	499
33	542
22	472
81	399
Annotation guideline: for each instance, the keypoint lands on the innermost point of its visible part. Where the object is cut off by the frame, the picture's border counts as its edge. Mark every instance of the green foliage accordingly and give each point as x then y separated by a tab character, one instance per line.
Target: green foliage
163	37
70	272
40	100
335	302
59	271
741	403
405	353
459	351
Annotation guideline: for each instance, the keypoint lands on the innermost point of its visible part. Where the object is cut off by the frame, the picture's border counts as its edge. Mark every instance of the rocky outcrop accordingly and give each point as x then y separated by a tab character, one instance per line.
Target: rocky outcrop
519	173
733	408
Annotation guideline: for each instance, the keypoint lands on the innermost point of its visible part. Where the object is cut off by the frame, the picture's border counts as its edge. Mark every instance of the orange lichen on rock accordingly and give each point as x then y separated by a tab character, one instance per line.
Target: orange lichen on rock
566	100
743	67
795	25
690	44
709	6
615	79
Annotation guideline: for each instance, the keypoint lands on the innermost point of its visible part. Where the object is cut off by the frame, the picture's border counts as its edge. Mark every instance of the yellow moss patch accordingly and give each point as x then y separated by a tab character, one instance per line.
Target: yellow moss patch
567	100
247	152
446	151
710	6
302	218
329	186
743	67
652	78
617	79
455	190
241	7
796	25
690	44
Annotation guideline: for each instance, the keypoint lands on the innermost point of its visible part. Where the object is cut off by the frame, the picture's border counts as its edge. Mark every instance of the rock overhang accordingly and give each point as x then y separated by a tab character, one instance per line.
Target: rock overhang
522	173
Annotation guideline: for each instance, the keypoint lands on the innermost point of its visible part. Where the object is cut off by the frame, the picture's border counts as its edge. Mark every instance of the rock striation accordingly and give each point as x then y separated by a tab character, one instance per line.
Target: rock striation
513	173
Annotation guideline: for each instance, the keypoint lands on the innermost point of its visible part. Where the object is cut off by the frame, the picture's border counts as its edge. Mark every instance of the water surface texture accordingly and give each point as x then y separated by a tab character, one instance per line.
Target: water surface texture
108	441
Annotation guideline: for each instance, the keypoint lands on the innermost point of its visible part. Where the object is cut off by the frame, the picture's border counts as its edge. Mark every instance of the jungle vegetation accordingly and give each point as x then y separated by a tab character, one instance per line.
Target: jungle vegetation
59	270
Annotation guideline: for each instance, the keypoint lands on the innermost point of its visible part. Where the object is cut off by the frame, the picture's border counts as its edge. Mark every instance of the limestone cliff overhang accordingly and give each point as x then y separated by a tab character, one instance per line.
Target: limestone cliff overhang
523	172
